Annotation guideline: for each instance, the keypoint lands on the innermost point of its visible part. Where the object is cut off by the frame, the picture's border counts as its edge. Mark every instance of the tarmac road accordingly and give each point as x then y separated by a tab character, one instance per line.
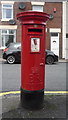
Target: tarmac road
55	77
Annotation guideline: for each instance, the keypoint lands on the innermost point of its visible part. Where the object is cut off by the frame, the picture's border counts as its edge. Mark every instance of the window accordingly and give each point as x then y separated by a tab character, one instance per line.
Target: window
37	8
54	34
8	36
7	11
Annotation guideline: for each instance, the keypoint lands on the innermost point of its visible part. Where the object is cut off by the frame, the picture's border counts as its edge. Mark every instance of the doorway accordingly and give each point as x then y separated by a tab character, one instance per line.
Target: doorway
55	43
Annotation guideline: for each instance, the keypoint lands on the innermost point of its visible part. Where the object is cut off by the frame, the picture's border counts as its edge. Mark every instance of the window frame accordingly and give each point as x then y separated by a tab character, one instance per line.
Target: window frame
7	33
7	19
54	34
37	6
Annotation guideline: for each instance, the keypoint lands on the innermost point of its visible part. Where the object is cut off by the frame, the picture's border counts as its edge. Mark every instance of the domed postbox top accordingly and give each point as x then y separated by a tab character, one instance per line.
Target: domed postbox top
33	17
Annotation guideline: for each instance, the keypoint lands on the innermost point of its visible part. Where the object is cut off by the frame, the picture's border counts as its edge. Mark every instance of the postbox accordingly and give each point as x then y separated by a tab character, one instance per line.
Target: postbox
33	25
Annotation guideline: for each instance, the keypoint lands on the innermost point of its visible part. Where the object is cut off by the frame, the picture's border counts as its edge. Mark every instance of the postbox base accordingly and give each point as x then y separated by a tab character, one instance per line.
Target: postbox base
32	99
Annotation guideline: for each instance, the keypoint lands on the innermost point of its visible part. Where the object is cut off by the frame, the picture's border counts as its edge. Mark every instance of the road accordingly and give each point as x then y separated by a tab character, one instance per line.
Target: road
55	76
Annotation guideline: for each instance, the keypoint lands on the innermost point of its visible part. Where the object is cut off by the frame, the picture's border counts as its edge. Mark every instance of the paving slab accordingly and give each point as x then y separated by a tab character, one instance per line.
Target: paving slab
54	108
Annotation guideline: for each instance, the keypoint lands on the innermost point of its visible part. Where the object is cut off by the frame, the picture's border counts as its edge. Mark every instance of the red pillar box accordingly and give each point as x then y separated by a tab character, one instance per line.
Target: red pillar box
32	57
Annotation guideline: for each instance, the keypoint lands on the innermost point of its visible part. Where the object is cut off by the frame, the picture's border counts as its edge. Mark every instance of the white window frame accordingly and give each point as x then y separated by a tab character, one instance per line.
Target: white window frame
7	19
37	6
2	47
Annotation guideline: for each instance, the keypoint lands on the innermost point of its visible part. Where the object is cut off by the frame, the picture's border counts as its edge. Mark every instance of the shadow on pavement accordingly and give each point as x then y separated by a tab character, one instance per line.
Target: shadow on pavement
54	107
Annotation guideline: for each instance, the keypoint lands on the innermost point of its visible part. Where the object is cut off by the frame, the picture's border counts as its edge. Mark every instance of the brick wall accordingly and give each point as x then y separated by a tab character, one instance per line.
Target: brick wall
56	22
17	10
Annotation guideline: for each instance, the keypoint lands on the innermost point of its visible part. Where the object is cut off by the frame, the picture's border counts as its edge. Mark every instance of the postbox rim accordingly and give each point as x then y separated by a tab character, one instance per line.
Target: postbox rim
32	13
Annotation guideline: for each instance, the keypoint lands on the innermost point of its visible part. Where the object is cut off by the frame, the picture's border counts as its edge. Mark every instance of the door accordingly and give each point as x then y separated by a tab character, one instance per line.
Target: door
55	43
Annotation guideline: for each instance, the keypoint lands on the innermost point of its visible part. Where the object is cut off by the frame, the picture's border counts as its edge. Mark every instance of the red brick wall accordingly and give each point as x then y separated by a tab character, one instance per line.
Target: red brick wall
17	10
56	22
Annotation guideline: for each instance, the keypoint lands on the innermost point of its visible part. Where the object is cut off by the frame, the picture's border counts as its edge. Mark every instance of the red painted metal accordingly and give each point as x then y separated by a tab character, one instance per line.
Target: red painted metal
33	59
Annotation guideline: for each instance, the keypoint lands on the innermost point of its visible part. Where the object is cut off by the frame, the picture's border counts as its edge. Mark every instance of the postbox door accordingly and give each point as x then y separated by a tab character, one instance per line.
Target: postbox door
33	61
38	58
34	64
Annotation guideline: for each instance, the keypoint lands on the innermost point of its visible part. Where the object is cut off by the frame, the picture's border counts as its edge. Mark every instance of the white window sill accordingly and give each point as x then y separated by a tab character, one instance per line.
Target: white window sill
7	2
6	19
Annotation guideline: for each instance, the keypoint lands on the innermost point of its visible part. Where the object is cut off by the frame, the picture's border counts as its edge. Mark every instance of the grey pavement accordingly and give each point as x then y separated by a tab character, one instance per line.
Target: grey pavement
54	108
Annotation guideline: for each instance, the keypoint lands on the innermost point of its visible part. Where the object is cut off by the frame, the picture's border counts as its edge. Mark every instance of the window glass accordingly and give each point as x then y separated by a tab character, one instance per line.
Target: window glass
7	5
37	8
54	34
8	36
9	39
4	31
7	11
11	31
